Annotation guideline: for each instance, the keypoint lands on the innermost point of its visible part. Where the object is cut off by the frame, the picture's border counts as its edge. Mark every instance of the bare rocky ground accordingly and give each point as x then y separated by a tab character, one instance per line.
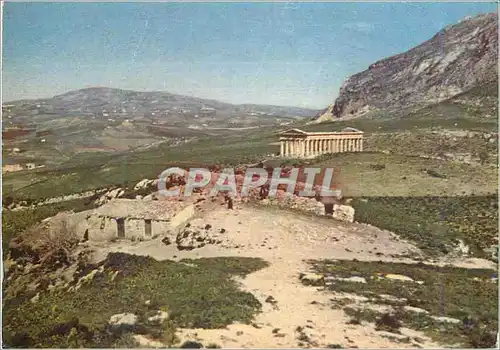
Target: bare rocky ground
293	314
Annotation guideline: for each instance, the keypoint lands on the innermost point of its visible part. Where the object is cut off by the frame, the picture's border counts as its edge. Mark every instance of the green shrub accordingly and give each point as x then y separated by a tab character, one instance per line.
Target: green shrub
201	296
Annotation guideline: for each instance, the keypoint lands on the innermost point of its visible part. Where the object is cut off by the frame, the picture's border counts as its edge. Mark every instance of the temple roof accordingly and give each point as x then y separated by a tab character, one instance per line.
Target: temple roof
295	131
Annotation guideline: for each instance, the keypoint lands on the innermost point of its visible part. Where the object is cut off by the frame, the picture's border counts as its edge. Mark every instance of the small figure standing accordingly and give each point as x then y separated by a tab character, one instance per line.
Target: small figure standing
264	191
229	201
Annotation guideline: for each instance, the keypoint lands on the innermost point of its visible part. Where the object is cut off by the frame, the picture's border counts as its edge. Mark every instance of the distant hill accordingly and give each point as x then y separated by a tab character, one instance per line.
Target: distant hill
103	102
460	58
96	120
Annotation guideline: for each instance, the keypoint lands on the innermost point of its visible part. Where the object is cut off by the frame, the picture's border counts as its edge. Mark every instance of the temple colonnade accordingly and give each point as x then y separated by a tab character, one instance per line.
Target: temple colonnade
300	144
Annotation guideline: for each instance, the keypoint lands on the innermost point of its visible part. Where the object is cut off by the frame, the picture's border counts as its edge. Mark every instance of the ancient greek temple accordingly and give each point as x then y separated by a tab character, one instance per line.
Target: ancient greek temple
301	144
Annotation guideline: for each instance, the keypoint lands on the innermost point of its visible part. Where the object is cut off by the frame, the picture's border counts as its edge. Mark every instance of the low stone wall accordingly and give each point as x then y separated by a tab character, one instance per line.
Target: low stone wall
296	202
340	212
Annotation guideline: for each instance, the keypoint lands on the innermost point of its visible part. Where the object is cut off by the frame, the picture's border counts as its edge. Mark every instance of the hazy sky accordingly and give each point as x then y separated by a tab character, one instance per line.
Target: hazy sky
270	53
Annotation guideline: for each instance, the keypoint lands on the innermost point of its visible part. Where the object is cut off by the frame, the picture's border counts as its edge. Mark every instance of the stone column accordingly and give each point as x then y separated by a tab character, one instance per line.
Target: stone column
282	148
361	145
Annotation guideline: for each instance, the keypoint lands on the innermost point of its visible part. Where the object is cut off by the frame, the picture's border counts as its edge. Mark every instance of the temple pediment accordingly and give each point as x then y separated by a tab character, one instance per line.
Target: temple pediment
293	132
350	129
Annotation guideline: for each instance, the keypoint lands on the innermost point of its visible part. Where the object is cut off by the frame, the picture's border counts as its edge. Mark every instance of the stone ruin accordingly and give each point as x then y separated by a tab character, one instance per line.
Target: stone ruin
131	219
332	206
144	217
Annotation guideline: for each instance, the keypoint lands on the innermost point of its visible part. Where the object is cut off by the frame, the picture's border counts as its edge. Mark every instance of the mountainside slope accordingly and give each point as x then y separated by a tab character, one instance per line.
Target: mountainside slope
458	58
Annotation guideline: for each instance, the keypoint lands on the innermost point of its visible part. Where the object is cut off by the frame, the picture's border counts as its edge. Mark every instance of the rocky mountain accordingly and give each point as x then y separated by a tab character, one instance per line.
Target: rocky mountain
457	59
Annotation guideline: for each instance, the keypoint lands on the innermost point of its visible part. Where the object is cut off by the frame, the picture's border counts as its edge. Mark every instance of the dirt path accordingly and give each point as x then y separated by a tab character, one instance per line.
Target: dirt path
286	241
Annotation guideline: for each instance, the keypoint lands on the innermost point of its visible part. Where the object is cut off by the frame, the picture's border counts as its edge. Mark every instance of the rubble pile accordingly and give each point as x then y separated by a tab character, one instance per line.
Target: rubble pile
283	198
197	235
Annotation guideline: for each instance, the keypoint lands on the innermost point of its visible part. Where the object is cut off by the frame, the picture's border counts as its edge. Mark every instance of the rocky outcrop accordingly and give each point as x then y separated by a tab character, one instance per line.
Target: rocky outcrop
123	320
312	279
110	195
197	235
457	59
343	213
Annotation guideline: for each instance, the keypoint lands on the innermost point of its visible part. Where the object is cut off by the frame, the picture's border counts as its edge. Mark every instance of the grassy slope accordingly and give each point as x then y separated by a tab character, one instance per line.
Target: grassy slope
405	124
435	223
199	294
377	174
436	144
445	291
